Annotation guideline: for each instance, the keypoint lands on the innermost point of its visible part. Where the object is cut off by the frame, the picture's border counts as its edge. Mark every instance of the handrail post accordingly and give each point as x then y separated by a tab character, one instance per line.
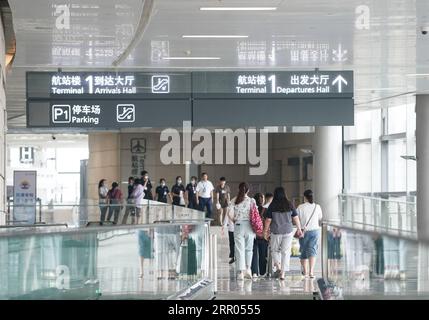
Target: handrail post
324	242
40	209
399	216
213	259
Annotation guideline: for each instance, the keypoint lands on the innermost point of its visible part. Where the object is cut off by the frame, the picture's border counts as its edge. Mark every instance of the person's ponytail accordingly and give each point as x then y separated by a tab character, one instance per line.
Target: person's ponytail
243	188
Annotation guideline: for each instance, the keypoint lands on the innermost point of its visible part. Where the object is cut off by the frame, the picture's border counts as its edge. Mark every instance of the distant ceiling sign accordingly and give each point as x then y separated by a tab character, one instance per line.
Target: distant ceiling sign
107	100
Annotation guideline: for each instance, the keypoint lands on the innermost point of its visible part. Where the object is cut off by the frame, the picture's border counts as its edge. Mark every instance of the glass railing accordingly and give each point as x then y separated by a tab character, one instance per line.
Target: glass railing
377	214
90	212
359	264
147	261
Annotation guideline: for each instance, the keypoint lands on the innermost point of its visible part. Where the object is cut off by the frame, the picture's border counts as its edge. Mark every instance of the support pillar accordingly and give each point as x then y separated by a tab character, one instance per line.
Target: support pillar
422	148
328	170
103	163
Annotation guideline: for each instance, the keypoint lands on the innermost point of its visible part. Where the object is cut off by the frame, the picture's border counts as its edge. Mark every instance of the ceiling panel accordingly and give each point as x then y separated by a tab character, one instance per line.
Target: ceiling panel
300	34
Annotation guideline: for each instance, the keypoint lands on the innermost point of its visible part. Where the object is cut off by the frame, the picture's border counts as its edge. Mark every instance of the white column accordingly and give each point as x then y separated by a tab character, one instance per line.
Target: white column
328	170
422	148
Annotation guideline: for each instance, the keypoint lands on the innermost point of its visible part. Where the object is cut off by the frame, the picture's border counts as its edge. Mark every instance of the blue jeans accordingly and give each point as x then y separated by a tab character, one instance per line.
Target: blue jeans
206	203
308	244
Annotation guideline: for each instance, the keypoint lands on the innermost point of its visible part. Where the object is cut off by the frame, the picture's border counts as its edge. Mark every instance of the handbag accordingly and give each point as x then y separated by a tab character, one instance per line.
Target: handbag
306	224
256	221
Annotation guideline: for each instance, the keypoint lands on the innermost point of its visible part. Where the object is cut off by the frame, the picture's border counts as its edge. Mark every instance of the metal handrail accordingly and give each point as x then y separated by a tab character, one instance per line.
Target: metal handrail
35	225
375	198
29	229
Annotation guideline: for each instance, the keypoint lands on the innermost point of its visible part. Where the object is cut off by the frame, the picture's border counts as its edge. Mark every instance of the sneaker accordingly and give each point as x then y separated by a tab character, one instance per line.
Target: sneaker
312	276
248	275
277	274
231	260
240	276
255	276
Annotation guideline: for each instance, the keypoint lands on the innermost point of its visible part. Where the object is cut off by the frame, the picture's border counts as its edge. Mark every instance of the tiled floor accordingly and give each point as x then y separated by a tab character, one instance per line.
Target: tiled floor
293	287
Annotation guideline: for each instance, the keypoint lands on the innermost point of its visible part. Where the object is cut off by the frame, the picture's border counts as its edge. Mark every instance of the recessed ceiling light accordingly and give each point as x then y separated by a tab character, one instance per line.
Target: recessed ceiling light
191	58
238	8
418	75
211	36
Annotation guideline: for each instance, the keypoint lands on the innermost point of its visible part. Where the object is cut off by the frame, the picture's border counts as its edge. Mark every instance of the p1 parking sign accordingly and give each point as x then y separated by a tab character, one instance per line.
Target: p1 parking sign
61	113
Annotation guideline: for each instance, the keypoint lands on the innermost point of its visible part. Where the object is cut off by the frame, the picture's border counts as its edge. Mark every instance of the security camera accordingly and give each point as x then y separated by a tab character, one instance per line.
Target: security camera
425	29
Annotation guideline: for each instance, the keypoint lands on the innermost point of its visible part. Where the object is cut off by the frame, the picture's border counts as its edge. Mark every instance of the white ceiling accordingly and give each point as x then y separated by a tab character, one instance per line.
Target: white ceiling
300	34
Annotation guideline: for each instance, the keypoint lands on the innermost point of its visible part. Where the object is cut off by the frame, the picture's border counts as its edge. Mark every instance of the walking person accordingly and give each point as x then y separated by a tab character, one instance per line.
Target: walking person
102	199
130	203
239	213
137	195
260	246
115	202
162	191
177	193
229	224
205	194
191	193
310	215
223	197
279	218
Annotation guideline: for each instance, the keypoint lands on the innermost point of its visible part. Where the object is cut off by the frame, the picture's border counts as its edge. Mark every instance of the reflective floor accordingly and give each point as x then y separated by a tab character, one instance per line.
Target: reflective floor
293	287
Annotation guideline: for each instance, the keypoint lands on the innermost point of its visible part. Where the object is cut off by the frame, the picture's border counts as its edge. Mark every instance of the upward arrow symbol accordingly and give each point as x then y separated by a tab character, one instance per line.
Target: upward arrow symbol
340	80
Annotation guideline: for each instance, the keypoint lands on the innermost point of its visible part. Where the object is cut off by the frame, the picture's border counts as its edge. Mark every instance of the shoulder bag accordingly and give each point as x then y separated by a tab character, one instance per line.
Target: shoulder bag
306	224
256	221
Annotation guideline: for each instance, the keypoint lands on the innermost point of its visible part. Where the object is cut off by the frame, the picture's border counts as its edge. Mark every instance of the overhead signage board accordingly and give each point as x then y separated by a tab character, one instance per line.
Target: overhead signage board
105	114
108	85
273	98
275	84
109	100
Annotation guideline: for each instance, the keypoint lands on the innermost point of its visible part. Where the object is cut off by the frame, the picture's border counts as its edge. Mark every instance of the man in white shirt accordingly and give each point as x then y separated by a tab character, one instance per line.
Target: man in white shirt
205	194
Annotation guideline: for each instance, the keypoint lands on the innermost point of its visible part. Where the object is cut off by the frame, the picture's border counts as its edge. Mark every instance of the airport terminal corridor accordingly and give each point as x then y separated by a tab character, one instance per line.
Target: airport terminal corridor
189	150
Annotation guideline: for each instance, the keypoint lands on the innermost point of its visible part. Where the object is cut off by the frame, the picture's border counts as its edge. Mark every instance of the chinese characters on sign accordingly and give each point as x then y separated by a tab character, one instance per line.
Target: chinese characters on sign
296	52
300	83
138	155
24	197
76	113
109	84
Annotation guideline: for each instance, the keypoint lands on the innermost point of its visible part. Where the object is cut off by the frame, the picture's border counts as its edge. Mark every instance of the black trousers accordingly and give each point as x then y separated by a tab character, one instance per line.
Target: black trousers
115	212
103	210
260	255
231	244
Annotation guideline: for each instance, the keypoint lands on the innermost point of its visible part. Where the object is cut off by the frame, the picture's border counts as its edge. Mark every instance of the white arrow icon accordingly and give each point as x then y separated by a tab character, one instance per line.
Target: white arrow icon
340	54
340	80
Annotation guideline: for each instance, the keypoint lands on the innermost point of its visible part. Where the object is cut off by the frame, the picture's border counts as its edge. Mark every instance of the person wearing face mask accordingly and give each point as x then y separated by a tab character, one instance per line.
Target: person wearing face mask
223	194
147	185
191	193
162	191
177	193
